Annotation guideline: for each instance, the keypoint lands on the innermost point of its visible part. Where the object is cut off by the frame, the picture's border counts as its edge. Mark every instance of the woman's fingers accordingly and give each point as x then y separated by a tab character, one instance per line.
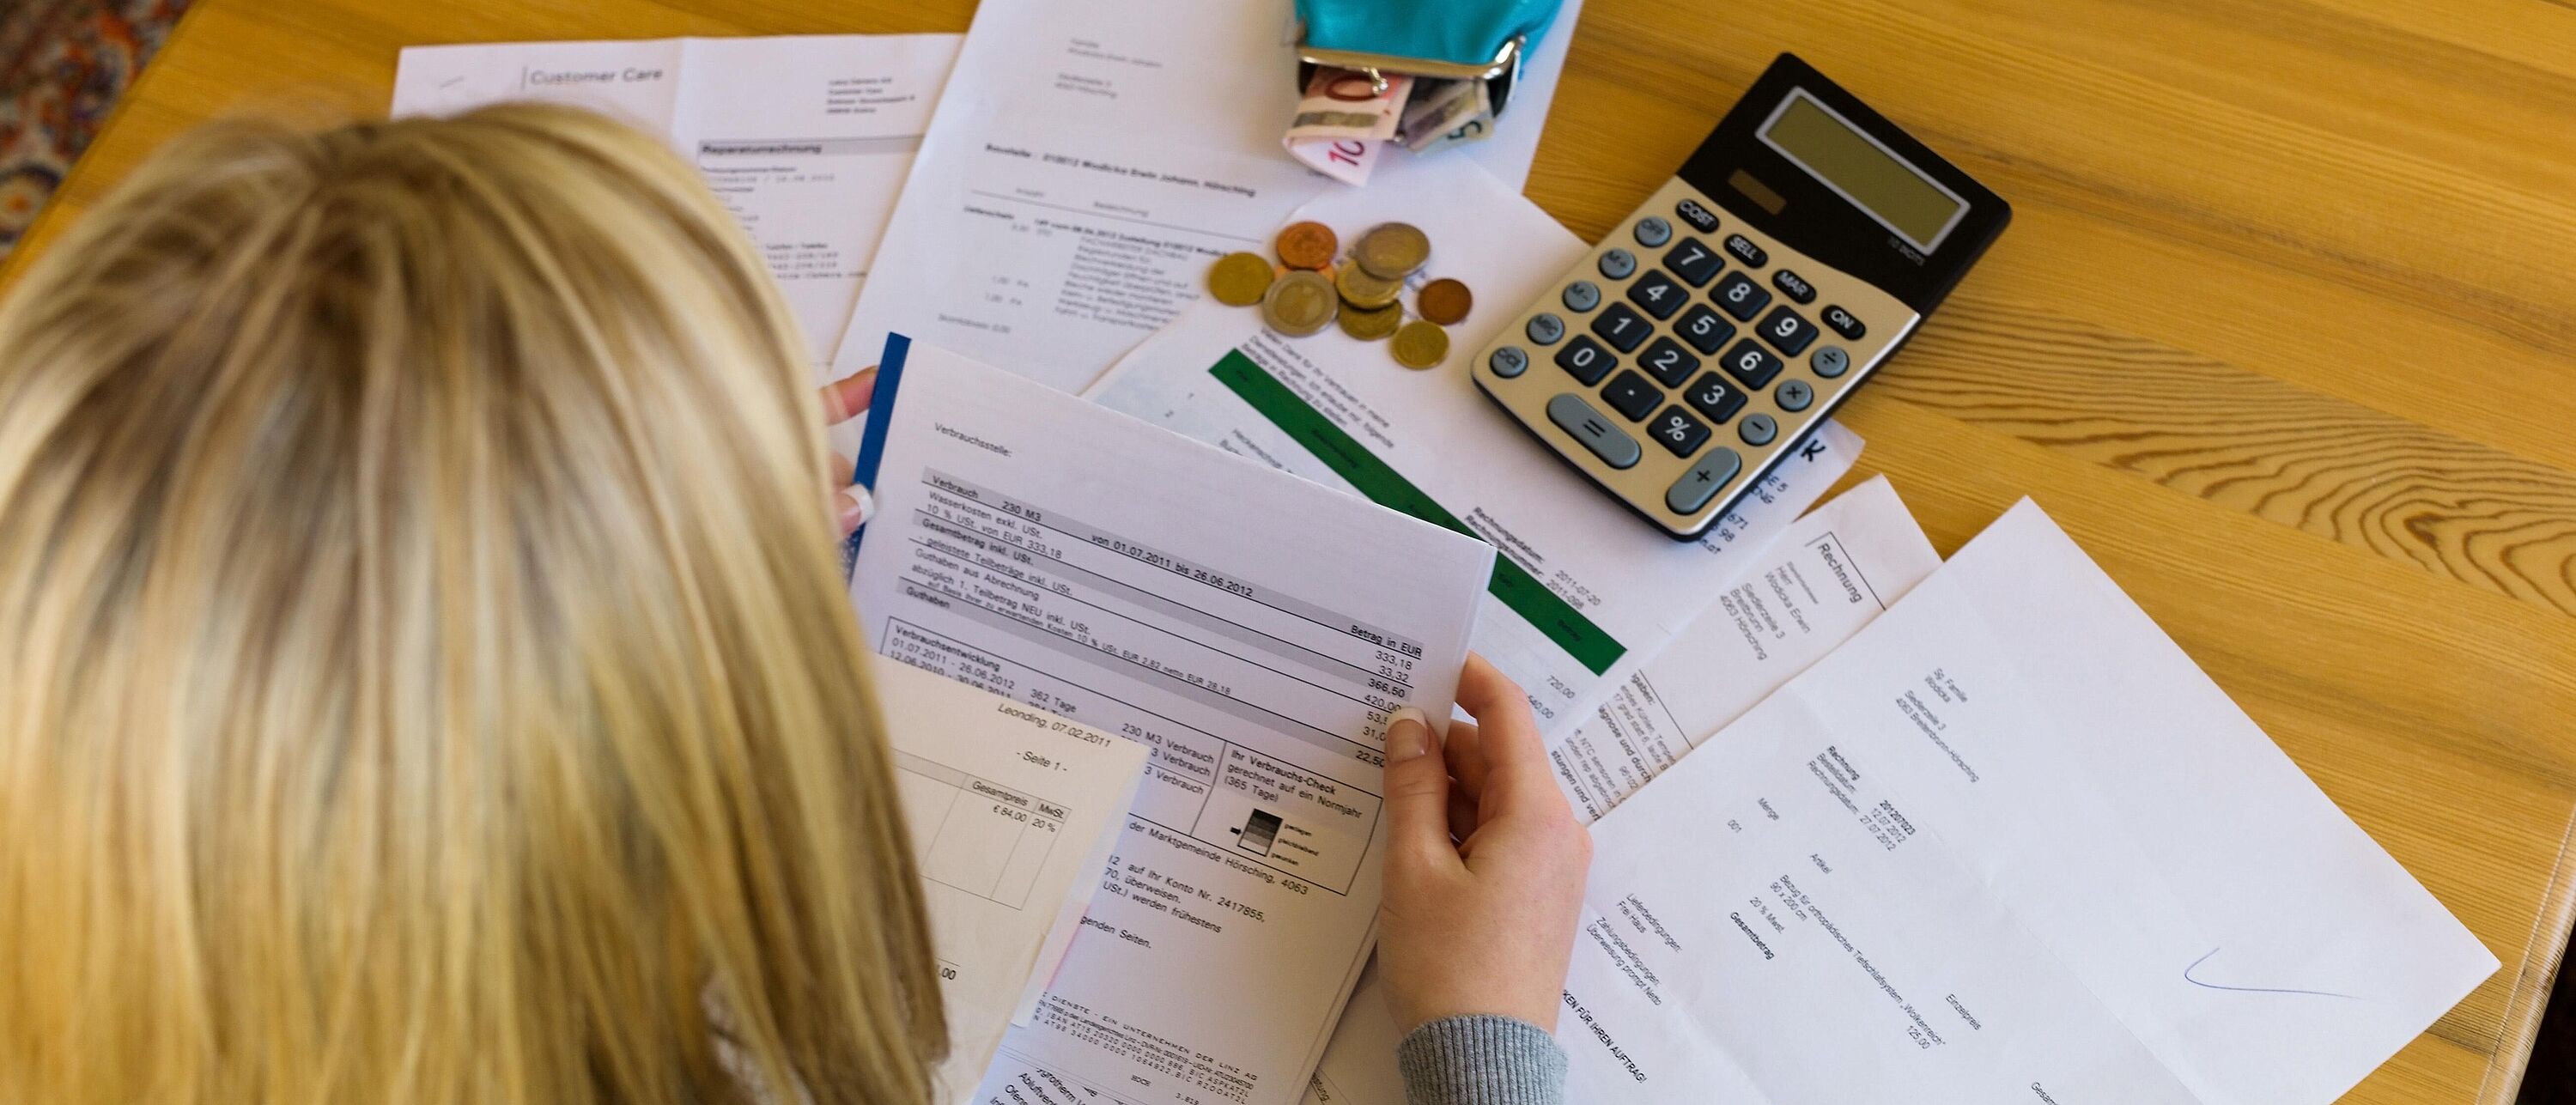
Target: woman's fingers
843	400
1484	924
847	397
852	505
1417	802
1512	756
1464	748
1463	816
1489	695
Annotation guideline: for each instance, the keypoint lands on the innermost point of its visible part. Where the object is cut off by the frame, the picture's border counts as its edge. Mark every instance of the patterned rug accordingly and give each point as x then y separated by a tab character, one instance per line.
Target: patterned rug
63	65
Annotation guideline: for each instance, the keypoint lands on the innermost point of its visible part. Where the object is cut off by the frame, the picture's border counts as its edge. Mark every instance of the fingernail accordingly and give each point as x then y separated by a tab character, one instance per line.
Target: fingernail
857	508
1405	741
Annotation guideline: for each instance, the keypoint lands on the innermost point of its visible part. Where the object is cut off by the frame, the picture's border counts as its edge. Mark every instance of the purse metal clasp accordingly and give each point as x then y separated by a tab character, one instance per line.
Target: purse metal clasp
1503	72
1506	60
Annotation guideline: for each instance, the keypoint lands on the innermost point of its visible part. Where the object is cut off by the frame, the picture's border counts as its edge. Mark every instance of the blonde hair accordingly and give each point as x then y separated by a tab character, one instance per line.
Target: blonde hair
424	676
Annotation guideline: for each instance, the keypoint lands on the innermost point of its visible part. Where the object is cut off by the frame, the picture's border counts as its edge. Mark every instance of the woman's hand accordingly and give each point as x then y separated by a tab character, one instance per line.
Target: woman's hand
843	400
1484	924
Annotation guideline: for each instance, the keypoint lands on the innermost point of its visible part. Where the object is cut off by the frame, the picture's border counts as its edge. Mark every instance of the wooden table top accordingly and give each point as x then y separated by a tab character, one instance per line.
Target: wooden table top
2284	333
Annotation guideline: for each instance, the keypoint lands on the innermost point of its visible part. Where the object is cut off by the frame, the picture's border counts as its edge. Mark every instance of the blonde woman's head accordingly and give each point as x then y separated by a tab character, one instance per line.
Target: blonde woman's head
423	673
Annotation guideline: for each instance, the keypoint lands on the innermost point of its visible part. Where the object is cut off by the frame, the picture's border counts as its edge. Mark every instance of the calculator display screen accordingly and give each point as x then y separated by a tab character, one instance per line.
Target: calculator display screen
1861	170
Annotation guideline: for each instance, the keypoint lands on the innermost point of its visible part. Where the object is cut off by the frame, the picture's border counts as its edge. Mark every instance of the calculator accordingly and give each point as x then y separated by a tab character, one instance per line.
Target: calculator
1699	345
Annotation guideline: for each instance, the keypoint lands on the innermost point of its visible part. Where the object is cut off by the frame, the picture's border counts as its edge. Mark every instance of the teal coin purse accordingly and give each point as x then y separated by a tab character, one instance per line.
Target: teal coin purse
1483	40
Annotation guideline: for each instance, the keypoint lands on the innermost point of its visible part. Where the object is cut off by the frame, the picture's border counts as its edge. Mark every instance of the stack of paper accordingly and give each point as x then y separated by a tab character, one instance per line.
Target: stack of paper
2007	843
1012	813
807	139
1252	629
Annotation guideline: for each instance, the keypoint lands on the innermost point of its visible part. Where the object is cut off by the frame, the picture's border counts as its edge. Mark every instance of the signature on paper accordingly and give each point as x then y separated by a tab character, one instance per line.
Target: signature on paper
2213	952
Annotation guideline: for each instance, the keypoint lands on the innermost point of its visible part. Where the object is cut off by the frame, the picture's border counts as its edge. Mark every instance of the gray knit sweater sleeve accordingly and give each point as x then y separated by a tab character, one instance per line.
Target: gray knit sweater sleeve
1481	1061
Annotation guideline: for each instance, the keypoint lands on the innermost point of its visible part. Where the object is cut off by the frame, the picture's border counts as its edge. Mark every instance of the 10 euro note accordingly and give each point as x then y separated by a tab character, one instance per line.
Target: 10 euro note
1344	120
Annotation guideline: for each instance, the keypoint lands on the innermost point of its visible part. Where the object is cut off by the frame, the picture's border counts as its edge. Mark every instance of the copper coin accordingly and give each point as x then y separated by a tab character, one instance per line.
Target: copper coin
1307	245
1445	301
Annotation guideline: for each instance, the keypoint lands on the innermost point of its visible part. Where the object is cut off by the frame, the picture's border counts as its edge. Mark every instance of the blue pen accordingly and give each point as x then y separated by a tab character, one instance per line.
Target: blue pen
872	437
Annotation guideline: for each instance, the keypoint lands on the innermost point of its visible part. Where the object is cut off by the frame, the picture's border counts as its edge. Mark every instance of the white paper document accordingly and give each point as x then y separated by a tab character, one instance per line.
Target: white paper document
1254	630
1830	574
1012	813
2005	844
807	138
1583	592
1091	159
1834	572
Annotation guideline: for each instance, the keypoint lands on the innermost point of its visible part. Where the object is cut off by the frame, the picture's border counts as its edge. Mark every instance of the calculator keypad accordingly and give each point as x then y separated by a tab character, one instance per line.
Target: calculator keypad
1667	361
1786	331
1593	429
1689	210
1628	393
1694	262
1700	333
1678	432
1622	328
1585	360
1714	397
1657	294
1702	481
1751	365
1738	295
1793	285
1704	330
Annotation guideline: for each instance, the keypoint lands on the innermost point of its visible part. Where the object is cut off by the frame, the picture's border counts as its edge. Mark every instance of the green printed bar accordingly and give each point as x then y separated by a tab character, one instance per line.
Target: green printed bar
1517	589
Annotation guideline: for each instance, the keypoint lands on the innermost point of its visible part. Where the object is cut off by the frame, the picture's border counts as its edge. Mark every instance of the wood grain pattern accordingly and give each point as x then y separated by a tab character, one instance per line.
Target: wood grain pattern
2284	333
2254	443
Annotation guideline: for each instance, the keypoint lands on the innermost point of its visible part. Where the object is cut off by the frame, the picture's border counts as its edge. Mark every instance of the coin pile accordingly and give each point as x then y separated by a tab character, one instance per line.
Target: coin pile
1308	289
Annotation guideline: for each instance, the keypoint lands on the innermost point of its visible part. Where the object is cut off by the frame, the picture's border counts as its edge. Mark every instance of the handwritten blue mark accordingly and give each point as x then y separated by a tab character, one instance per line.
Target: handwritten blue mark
2195	965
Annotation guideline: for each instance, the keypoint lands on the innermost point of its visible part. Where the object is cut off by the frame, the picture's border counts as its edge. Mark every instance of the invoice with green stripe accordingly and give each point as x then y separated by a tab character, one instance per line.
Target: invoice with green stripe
1582	592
